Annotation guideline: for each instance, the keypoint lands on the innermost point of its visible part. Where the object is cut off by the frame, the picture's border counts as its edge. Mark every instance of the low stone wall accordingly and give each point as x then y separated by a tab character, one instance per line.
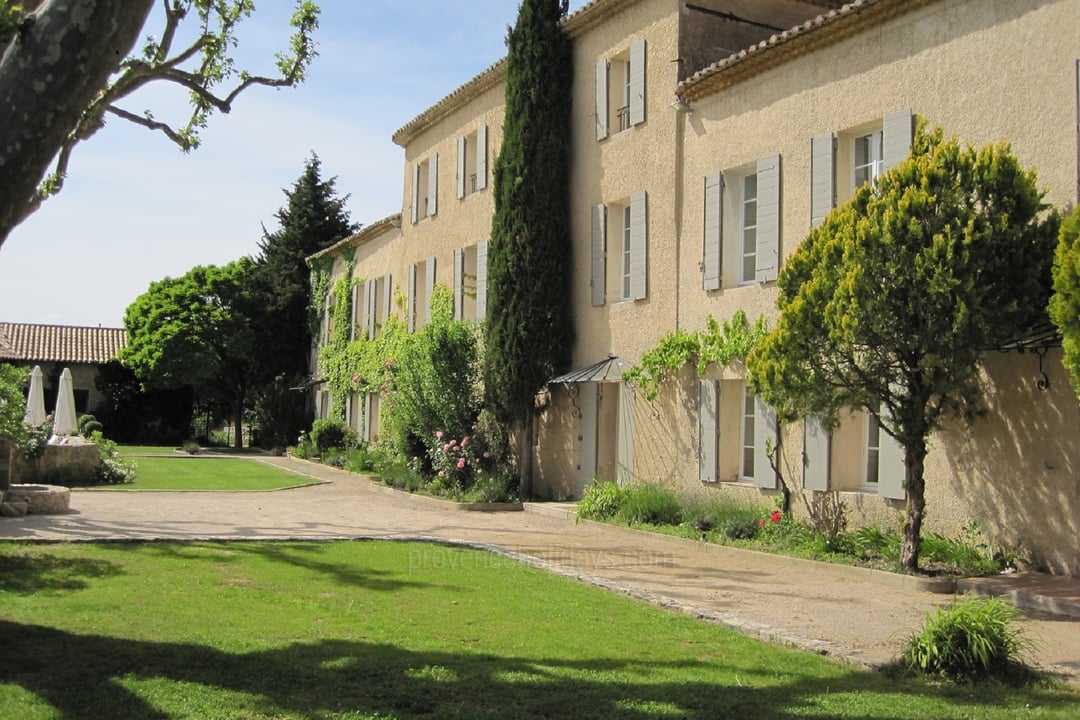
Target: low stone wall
84	456
36	500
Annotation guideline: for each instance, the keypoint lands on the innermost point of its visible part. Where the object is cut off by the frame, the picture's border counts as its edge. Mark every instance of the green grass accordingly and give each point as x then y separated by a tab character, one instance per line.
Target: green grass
383	630
186	472
135	450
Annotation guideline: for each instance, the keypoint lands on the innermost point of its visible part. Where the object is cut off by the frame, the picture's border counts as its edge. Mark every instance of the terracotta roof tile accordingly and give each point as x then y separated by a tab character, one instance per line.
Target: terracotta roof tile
60	343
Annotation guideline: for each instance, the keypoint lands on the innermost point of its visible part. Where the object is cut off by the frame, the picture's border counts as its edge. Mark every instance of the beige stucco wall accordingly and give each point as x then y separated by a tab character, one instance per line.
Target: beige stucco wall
985	72
458	222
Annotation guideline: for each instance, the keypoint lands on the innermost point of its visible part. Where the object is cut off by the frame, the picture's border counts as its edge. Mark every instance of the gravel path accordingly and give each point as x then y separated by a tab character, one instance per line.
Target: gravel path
858	615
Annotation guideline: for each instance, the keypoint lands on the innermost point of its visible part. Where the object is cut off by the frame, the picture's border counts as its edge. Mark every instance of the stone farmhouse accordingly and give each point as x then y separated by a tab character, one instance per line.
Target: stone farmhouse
709	137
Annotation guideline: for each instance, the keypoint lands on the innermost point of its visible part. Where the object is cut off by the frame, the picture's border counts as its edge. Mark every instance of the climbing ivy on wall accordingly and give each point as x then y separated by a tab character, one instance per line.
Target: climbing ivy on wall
320	286
719	343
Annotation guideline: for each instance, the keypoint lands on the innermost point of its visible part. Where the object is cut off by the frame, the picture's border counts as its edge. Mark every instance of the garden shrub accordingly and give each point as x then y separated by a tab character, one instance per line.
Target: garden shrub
971	640
602	500
651	505
88	425
740	528
329	433
493	488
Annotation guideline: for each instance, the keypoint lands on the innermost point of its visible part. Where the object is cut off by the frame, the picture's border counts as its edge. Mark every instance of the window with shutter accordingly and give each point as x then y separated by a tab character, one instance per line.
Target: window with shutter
598	273
410	302
708	435
459	283
711	252
481	280
621	90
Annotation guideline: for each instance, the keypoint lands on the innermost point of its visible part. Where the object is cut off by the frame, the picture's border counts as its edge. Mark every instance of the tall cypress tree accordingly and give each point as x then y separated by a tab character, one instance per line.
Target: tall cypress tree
529	330
313	219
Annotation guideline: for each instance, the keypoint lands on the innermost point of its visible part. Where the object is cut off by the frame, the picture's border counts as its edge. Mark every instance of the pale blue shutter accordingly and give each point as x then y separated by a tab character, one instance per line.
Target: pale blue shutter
708	437
712	261
601	99
896	136
433	184
367	418
822	177
481	280
587	440
354	311
624	471
765	428
598	272
461	149
638	246
369	308
768	218
891	465
410	305
415	210
637	83
459	283
817	455
429	287
387	297
481	157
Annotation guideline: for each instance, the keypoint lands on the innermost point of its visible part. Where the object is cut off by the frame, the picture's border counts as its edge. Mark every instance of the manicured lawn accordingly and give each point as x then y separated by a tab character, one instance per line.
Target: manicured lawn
383	630
194	472
146	450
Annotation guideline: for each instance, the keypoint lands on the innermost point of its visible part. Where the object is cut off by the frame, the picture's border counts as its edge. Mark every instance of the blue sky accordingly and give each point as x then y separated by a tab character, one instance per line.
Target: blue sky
136	209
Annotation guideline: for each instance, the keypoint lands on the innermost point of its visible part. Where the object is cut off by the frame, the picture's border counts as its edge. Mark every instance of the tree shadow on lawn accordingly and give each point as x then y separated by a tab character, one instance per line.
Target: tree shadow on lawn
303	555
88	676
27	575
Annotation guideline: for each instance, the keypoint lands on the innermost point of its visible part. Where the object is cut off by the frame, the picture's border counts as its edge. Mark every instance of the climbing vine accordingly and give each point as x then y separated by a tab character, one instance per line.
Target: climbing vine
718	343
320	286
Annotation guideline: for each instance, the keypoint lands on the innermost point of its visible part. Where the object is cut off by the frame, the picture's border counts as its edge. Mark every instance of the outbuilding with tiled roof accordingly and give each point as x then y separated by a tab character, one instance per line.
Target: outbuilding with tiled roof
55	347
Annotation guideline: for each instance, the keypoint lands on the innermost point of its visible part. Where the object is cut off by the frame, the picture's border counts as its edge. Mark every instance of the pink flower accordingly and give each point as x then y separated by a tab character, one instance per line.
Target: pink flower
453	443
464	439
461	463
762	523
446	447
356	378
442	473
487	454
438	434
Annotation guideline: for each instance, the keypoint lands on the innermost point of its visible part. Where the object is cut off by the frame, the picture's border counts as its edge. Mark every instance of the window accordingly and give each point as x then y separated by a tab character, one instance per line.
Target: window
749	228
620	107
873	450
857	456
748	425
734	429
626	253
418	302
472	162
470	282
742	225
865	159
378	294
628	265
843	162
425	188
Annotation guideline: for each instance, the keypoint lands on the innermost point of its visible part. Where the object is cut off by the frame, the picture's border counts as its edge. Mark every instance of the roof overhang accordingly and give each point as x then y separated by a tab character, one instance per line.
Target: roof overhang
610	369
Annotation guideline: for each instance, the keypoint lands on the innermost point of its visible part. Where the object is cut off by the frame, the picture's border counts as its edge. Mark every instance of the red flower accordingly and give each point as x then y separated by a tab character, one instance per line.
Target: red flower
775	517
762	523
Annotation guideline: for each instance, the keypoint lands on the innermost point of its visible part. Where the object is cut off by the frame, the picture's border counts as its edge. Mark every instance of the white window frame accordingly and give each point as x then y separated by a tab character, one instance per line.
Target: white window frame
748	416
871	454
747	226
874	165
625	255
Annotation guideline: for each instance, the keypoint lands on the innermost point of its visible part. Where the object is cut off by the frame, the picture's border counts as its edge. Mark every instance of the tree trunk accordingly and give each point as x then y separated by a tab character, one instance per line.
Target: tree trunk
59	61
525	455
914	459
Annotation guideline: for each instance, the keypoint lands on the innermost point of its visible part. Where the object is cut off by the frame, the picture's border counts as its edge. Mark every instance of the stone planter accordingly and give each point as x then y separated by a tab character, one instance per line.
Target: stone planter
36	500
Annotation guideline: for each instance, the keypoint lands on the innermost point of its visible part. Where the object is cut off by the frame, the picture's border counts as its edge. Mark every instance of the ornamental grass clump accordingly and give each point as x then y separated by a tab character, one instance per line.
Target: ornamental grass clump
651	505
969	641
602	501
